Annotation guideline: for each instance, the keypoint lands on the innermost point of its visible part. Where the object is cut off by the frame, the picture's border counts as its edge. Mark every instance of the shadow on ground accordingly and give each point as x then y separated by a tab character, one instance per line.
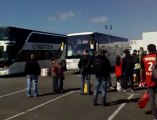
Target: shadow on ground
65	91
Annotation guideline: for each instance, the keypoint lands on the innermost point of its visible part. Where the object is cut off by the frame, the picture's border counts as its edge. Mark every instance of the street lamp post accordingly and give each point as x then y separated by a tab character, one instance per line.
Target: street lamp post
107	28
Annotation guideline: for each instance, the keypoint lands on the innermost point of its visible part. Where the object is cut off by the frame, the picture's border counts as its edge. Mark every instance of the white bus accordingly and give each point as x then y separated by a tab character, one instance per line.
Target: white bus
77	42
16	45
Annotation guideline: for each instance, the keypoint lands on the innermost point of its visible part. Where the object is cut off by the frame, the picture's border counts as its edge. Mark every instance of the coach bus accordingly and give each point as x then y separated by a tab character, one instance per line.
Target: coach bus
77	42
16	45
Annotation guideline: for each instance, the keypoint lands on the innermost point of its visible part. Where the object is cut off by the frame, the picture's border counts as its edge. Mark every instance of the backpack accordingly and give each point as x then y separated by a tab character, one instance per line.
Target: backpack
97	65
130	63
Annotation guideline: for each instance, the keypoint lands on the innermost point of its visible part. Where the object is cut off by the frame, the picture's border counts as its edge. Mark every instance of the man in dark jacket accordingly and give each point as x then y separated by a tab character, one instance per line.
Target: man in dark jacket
127	70
32	70
102	73
85	69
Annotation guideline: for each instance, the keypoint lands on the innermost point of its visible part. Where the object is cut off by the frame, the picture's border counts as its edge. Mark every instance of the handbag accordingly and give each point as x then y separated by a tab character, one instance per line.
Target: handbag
144	100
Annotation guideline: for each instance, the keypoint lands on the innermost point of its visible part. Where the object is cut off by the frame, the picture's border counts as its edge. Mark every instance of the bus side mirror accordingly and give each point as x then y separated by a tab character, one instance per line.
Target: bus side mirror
62	46
91	44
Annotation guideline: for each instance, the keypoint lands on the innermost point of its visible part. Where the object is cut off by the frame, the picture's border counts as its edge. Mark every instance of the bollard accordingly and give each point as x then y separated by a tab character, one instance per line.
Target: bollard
85	88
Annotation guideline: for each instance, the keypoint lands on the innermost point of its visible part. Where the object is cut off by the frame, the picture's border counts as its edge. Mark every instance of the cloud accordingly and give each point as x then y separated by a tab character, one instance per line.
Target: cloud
101	19
62	16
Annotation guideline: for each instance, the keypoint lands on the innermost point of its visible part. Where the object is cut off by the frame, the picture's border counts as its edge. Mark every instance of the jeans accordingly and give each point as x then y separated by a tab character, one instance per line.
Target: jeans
55	83
85	77
109	83
32	79
60	84
152	92
100	81
126	79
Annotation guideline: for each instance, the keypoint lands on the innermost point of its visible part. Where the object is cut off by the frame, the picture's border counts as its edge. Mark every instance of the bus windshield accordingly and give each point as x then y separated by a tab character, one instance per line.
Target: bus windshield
3	55
75	47
4	33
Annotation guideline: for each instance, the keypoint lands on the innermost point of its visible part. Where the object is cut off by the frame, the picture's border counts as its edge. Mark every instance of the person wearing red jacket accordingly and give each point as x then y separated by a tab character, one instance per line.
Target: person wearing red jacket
118	69
146	67
57	73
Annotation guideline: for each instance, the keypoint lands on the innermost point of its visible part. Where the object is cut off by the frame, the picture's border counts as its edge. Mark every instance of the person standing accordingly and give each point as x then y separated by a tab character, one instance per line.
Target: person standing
32	69
85	68
136	75
109	81
54	74
61	77
101	68
142	53
127	70
146	68
118	72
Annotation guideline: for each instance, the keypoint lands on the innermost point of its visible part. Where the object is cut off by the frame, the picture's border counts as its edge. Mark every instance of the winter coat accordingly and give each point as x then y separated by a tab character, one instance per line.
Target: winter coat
128	65
56	69
85	64
118	70
105	68
32	67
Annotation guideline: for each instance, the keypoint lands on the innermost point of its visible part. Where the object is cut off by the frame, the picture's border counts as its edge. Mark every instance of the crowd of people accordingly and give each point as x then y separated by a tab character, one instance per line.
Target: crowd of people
129	68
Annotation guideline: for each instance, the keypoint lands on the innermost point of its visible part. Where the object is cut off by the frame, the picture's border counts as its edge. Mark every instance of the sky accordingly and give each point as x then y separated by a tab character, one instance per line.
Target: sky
129	18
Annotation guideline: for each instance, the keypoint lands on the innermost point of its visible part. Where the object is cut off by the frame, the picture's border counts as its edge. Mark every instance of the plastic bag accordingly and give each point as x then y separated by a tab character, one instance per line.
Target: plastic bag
144	100
119	88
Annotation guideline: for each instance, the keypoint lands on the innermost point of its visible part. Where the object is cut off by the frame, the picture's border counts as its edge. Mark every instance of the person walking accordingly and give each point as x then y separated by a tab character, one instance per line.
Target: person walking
32	69
85	68
101	68
146	68
127	70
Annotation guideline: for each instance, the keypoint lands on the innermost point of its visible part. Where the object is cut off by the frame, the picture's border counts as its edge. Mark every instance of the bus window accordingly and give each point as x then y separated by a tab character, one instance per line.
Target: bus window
4	34
3	55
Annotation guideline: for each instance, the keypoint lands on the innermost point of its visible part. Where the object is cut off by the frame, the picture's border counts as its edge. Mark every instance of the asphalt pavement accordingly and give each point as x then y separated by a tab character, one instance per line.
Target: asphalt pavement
70	105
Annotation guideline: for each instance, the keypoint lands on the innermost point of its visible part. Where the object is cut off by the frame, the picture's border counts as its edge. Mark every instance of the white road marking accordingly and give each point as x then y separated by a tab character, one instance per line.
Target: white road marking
12	93
36	107
119	108
134	94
